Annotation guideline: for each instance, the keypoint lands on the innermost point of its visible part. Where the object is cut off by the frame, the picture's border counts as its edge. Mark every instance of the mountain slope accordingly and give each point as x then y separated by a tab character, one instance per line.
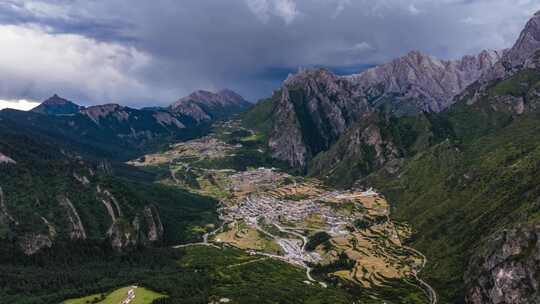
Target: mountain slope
457	193
311	111
462	192
49	194
109	131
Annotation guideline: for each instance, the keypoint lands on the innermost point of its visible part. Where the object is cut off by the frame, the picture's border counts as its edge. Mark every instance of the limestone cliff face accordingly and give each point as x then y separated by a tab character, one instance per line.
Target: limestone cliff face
154	226
76	229
419	82
313	109
507	271
144	230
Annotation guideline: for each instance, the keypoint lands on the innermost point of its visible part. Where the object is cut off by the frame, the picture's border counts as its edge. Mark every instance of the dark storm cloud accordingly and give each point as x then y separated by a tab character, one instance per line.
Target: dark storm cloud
163	49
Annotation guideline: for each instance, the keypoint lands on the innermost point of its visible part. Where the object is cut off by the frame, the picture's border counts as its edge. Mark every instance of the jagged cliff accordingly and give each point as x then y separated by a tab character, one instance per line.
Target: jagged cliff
314	108
506	268
419	82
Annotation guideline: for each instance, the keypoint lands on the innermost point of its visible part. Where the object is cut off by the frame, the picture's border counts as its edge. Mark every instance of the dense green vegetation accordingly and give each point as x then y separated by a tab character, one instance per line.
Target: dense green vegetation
191	275
459	192
48	174
518	85
111	138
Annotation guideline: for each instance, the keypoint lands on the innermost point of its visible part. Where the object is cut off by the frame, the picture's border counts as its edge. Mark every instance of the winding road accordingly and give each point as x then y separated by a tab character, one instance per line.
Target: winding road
430	292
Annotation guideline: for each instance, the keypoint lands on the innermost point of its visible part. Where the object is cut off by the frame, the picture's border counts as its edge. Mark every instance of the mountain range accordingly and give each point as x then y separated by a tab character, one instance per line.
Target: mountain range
454	145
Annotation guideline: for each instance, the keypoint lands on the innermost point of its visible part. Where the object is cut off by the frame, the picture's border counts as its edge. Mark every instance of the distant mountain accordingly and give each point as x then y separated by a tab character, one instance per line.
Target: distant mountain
120	132
419	82
206	106
109	131
57	106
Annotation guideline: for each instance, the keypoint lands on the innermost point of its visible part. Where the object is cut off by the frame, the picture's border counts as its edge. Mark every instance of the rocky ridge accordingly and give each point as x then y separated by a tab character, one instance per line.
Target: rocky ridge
204	105
315	107
419	82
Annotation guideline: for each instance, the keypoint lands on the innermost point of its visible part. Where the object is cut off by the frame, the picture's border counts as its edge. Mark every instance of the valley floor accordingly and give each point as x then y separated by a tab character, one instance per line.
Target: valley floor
338	236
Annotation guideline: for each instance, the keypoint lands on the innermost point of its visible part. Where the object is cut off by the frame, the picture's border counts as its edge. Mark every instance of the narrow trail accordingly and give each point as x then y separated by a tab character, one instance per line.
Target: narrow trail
205	240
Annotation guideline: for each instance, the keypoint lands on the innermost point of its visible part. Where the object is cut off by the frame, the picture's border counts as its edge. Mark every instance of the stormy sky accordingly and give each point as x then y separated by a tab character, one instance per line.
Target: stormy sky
141	53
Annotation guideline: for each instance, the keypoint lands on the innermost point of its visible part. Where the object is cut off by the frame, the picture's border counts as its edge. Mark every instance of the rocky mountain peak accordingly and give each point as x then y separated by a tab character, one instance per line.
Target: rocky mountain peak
223	98
204	105
231	95
304	75
55	99
526	45
57	105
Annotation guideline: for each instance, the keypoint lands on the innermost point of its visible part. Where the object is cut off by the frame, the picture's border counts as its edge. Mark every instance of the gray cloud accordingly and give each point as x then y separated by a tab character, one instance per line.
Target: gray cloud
141	52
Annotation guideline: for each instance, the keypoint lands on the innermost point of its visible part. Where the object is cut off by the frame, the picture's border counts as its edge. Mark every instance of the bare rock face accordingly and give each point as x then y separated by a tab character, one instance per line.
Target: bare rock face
122	235
421	82
526	45
204	105
77	231
31	243
153	223
313	109
167	119
507	271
